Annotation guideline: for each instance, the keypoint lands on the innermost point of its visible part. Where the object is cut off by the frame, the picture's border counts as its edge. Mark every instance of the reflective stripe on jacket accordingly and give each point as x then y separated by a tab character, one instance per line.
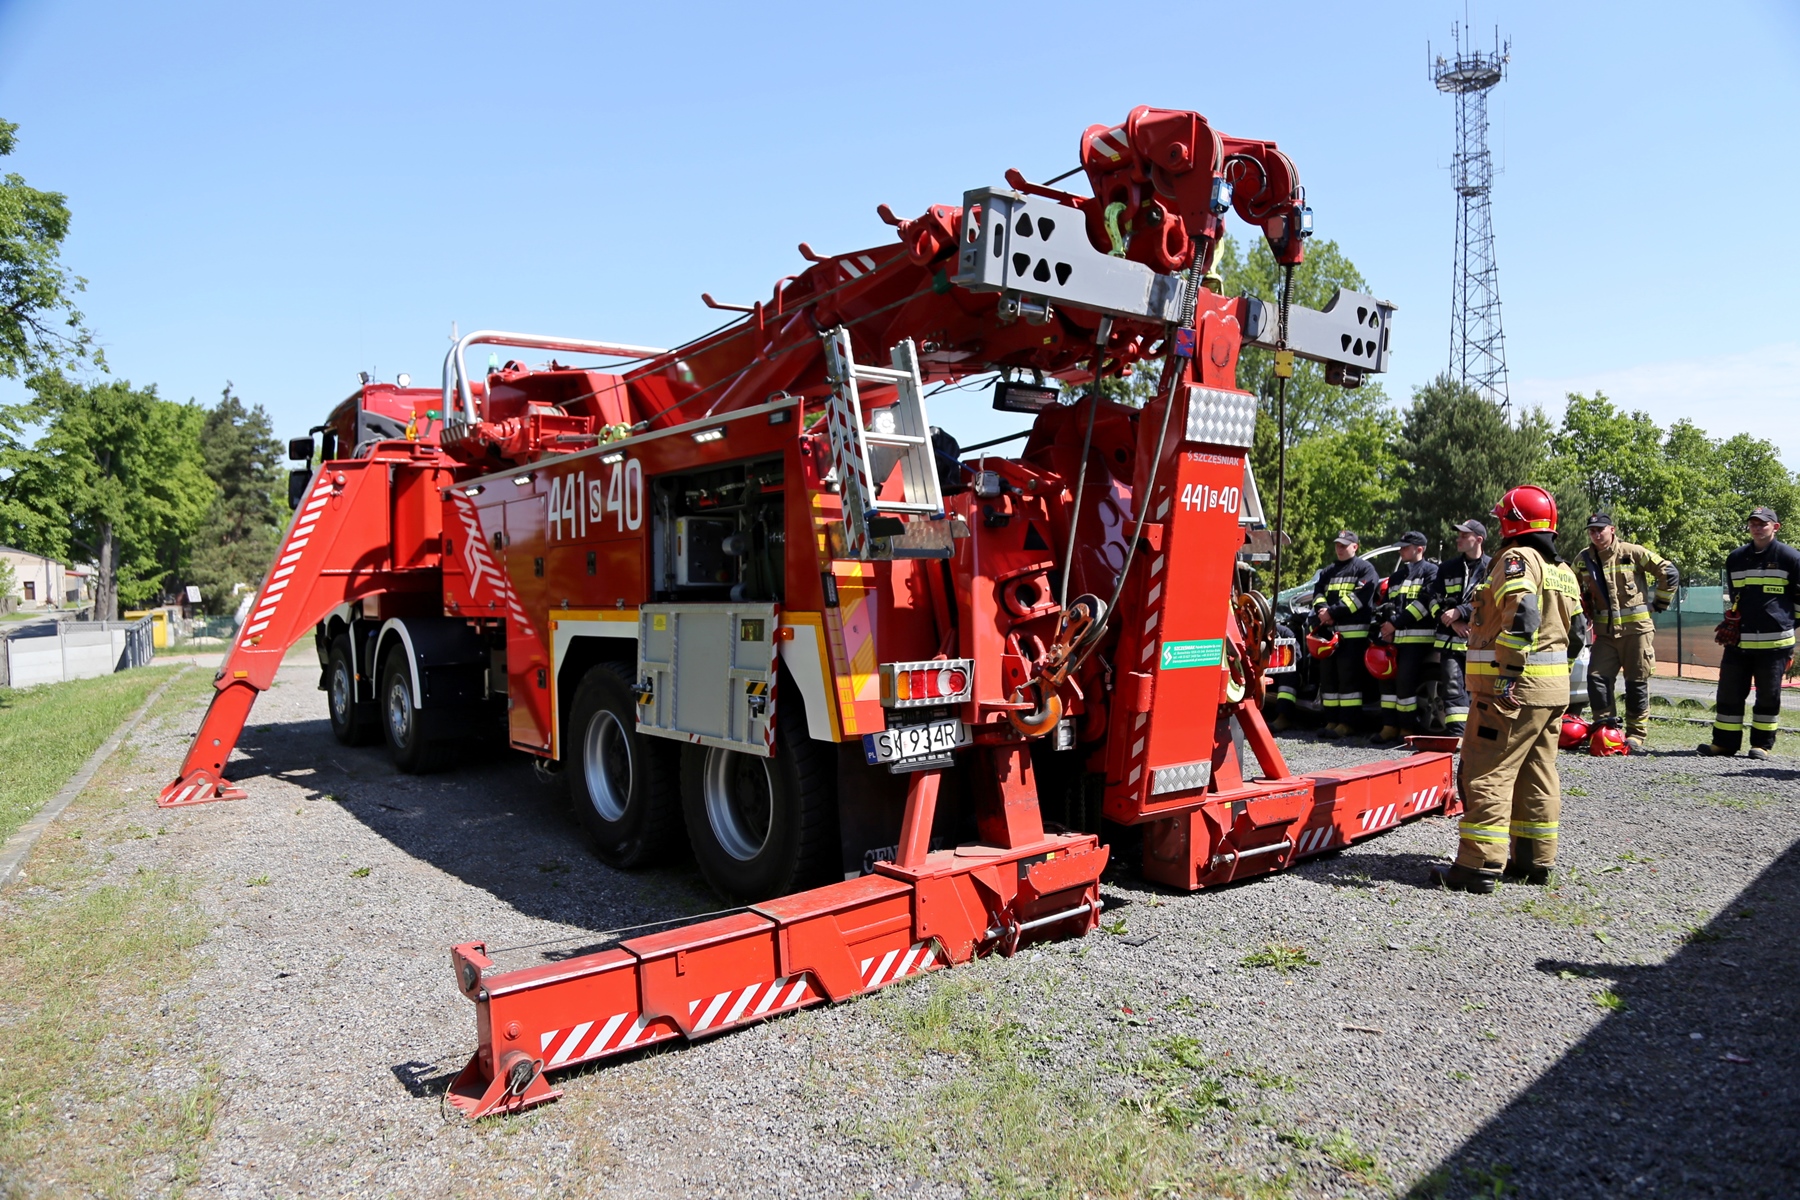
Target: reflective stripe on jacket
1617	591
1520	628
1764	585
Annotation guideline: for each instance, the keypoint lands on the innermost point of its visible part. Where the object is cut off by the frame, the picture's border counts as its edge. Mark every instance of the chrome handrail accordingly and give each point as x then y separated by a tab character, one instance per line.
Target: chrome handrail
456	374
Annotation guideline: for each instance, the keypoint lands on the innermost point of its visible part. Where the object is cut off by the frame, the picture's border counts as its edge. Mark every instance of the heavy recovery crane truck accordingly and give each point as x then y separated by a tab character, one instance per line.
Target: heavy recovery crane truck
892	691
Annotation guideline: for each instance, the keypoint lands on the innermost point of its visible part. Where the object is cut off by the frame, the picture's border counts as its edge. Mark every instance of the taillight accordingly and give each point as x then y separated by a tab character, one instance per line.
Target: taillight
917	684
1281	656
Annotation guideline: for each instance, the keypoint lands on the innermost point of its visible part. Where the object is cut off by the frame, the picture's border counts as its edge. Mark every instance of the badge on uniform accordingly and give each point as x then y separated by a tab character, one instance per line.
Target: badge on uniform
1515	566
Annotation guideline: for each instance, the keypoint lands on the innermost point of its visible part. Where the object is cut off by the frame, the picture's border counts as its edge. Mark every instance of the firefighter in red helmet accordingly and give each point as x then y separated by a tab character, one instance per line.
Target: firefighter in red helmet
1518	669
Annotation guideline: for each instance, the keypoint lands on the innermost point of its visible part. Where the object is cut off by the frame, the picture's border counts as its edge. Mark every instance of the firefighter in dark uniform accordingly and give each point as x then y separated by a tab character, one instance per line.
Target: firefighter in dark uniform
1344	601
1408	626
1451	600
1518	659
1763	582
1622	585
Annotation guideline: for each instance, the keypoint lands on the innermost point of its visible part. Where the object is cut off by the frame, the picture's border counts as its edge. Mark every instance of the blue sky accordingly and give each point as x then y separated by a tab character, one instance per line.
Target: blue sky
284	195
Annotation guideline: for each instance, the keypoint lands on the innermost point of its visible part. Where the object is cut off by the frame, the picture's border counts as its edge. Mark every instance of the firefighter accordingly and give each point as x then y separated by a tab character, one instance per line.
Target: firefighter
1763	581
1617	595
1407	625
1518	663
1451	600
1344	601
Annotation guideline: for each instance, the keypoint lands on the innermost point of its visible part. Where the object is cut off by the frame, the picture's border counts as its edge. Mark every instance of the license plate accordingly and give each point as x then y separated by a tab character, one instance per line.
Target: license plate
914	741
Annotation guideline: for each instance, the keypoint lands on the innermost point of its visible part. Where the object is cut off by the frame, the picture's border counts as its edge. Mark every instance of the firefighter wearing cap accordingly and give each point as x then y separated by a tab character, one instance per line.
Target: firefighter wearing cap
1518	662
1408	626
1344	602
1452	603
1763	583
1622	584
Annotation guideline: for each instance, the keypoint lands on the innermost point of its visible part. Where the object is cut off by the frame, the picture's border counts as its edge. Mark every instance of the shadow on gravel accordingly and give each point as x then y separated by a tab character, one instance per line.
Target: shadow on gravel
1691	1089
490	821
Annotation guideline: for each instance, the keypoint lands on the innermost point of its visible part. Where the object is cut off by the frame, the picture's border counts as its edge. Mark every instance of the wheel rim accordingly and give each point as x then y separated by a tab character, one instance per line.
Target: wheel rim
340	694
740	801
606	762
399	710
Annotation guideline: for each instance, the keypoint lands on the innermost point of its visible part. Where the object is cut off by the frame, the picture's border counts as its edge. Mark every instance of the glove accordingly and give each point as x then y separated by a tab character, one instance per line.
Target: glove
1660	606
1726	632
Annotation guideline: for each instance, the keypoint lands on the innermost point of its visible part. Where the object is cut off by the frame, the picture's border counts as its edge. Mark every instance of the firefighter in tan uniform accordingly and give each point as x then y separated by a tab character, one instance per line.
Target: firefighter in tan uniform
1518	670
1622	586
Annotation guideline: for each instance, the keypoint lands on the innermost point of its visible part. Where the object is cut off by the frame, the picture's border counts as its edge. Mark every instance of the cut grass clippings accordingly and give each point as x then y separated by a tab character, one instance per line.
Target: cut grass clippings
47	732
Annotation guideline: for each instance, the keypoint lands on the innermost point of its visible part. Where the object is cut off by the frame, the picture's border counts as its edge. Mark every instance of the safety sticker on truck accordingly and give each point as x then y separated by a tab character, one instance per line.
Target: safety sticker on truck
1208	652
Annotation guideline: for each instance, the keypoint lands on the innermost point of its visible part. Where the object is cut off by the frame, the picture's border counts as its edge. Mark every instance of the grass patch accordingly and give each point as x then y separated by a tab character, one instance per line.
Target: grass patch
1282	956
87	971
1352	1159
1560	909
1002	1125
1609	1000
47	732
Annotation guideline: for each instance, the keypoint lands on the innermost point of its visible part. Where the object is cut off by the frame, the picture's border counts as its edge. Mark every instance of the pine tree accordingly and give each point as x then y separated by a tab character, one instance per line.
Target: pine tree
237	540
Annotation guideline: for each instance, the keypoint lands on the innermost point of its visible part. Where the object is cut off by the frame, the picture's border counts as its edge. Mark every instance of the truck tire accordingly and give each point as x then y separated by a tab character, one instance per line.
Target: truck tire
409	731
353	722
625	787
762	827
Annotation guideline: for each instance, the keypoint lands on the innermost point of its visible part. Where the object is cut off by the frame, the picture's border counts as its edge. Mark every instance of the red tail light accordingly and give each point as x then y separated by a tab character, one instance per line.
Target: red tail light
917	684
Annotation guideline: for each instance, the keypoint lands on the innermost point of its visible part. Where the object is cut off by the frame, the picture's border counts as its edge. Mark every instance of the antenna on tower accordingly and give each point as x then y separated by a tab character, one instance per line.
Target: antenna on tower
1477	344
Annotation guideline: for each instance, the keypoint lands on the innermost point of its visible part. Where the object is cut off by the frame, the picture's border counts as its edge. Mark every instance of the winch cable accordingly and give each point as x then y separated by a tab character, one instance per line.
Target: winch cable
1087	447
1281	340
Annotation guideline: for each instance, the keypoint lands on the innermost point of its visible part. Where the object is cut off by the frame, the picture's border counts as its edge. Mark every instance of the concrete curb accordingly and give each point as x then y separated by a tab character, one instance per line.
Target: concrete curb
12	855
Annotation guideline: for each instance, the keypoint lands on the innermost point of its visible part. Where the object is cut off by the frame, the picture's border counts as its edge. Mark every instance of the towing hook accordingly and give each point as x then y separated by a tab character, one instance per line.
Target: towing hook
1040	720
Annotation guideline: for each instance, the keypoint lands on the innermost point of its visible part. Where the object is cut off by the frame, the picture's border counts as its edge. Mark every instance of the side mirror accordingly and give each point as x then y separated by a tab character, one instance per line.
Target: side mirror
300	449
297	481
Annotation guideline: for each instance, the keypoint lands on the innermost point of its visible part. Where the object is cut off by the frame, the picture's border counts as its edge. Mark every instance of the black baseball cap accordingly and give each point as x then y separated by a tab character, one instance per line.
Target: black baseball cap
1765	513
1347	538
1600	521
1473	526
1412	537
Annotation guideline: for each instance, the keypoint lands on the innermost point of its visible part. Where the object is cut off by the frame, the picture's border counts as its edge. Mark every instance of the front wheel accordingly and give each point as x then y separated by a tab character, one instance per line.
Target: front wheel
623	785
408	730
762	827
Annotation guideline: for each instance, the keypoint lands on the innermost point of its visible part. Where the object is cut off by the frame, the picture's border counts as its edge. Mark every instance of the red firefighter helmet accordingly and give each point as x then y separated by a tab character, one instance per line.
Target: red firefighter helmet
1380	660
1526	509
1322	647
1606	739
1574	732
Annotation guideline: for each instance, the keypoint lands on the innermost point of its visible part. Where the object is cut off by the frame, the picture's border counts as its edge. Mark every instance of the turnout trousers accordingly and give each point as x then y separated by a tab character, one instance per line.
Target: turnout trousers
1738	669
1342	678
1400	695
1512	796
1634	653
1454	689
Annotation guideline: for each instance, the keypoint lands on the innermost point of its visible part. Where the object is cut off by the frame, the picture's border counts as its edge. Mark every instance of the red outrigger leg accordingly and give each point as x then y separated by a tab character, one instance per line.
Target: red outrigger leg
921	913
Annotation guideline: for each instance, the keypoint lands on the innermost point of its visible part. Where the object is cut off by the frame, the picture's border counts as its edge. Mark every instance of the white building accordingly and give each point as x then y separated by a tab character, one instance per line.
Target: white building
40	582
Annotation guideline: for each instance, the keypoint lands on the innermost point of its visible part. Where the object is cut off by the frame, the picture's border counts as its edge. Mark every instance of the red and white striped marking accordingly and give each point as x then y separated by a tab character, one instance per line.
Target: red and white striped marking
1418	802
292	550
1379	817
621	1031
757	1000
484	575
188	793
1153	605
857	265
917	958
1312	841
1112	143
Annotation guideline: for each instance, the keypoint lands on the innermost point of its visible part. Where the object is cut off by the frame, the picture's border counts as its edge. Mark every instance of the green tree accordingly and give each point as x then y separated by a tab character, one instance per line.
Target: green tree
1458	453
238	537
1337	479
117	478
40	327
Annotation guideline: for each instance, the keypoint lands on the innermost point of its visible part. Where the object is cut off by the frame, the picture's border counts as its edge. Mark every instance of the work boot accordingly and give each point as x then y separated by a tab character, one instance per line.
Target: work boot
1634	745
1388	736
1281	724
1331	730
1518	873
1458	878
1759	754
1709	750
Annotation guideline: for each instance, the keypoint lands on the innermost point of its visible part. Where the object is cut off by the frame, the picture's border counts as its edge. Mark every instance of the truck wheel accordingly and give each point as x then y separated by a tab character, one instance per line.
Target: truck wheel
762	827
624	785
353	722
408	730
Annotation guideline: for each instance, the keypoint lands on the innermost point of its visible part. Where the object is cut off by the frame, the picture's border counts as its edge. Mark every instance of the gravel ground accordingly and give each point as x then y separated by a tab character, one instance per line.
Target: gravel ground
1631	1031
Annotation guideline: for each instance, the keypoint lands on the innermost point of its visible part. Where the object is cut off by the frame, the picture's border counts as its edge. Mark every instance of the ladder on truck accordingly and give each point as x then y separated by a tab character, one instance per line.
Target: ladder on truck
864	458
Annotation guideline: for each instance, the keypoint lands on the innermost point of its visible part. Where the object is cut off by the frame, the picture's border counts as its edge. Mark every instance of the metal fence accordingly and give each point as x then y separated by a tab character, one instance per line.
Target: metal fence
54	651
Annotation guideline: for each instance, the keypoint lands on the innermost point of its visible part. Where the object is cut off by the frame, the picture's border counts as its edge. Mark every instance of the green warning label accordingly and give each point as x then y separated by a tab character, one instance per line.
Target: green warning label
1207	653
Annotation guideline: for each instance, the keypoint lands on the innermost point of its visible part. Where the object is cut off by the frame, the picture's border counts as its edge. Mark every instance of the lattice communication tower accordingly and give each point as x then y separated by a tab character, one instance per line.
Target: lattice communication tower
1477	345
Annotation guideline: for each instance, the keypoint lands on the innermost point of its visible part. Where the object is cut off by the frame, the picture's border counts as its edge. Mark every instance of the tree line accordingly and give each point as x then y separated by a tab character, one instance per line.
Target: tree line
156	494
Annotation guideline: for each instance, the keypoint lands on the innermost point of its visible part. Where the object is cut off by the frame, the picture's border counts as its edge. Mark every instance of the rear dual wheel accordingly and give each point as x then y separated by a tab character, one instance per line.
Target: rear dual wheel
416	740
353	722
624	786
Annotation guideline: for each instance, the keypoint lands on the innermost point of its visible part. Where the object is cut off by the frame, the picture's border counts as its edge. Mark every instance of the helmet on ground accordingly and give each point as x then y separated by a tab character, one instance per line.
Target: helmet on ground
1526	509
1322	647
1607	739
1574	732
1380	660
